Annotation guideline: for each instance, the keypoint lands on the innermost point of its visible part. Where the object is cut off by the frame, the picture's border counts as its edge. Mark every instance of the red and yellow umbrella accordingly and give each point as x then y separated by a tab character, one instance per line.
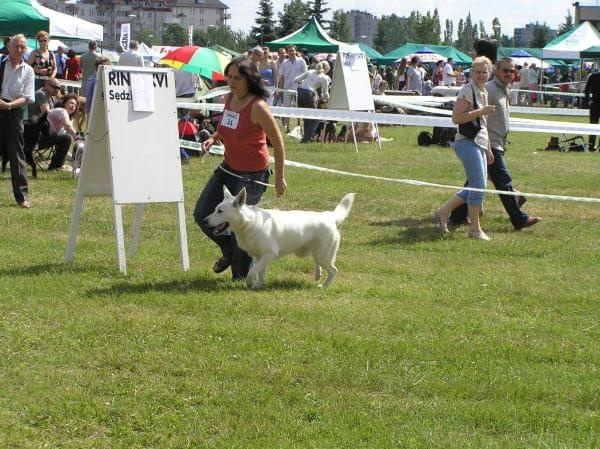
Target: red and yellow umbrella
205	61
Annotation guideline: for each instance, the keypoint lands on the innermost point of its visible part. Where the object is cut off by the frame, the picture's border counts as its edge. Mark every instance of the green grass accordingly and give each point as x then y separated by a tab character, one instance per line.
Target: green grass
423	340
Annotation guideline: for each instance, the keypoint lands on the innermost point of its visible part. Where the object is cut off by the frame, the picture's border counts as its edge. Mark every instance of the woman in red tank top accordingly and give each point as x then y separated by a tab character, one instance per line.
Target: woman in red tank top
246	124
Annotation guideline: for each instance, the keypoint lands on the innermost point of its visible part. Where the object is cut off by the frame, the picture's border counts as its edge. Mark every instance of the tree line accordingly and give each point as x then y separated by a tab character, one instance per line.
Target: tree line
392	30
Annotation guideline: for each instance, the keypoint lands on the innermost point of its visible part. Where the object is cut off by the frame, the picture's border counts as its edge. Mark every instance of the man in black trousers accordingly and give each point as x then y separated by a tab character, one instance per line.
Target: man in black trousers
16	88
592	86
497	125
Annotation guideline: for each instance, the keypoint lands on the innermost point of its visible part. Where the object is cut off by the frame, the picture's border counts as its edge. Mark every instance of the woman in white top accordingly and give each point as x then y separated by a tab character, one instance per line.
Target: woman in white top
314	85
473	150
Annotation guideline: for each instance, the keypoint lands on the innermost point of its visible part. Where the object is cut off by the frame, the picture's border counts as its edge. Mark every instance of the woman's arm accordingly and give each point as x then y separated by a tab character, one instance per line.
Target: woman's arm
261	115
275	77
301	77
461	113
52	73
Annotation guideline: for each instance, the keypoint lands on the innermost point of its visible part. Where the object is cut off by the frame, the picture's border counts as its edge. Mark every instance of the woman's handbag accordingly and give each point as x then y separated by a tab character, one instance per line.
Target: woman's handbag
472	128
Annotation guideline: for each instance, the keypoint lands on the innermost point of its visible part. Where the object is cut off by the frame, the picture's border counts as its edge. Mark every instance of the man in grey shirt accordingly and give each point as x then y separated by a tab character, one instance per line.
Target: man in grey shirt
88	65
497	126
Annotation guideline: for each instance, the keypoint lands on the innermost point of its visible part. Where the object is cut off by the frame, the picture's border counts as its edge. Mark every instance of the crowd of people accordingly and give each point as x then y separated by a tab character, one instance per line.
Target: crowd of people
54	118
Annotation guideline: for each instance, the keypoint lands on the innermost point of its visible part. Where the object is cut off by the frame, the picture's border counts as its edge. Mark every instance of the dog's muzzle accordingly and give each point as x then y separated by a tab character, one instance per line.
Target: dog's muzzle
219	229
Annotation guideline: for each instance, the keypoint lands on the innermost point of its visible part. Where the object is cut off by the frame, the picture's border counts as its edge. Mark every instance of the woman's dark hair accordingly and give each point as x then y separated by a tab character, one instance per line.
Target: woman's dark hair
71	53
487	48
65	98
249	71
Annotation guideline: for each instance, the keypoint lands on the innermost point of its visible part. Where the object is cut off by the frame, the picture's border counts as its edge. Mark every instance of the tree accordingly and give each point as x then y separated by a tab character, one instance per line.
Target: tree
340	29
508	41
222	35
467	35
391	33
541	35
175	35
497	29
482	33
147	37
264	31
318	10
567	26
448	32
294	15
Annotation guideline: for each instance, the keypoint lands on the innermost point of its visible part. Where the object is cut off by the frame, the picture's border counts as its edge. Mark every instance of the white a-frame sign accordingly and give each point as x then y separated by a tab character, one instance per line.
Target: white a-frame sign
132	151
351	86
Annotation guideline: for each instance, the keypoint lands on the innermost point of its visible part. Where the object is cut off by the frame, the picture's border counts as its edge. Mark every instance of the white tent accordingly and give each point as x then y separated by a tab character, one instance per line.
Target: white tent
148	53
571	44
66	26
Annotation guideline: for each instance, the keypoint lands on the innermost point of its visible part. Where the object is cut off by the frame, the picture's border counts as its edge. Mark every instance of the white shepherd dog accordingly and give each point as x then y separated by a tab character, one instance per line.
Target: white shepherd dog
267	234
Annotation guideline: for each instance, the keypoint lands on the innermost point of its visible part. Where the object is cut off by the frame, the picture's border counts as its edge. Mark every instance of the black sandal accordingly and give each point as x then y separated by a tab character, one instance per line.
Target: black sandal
222	264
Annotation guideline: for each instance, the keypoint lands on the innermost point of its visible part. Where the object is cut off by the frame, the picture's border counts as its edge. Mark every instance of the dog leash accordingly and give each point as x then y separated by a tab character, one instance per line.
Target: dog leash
246	180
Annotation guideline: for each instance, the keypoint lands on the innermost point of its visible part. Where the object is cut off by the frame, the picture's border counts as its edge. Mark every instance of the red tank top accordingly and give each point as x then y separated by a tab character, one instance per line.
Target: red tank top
245	142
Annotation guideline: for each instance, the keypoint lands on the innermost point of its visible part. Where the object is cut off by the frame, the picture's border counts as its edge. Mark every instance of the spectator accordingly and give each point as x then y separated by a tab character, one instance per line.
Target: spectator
16	89
268	73
534	80
290	69
592	88
88	64
61	62
449	75
438	74
45	98
460	76
6	41
401	74
247	123
73	71
427	85
524	85
131	57
185	84
56	130
314	86
376	80
42	60
91	84
474	149
414	76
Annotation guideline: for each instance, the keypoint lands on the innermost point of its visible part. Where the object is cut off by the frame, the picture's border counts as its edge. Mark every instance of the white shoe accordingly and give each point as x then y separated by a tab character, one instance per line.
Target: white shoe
480	235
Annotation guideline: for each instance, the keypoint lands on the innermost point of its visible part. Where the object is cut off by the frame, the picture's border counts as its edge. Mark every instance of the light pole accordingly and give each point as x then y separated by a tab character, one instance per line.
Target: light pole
133	16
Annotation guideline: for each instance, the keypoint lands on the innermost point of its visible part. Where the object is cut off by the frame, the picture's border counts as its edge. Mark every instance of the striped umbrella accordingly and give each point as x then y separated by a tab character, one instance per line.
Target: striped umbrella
205	61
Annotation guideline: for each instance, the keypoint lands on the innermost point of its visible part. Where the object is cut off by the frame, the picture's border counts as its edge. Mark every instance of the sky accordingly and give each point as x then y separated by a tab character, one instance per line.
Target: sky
512	13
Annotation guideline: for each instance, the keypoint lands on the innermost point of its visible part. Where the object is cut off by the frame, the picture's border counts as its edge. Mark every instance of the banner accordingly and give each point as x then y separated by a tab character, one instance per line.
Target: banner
125	36
191	35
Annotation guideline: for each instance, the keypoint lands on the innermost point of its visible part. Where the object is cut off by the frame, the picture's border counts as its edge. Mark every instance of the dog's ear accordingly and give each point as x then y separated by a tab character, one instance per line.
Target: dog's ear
240	199
226	193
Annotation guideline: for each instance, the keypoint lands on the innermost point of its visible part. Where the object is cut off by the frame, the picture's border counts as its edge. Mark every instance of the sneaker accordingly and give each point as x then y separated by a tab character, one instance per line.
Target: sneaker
479	235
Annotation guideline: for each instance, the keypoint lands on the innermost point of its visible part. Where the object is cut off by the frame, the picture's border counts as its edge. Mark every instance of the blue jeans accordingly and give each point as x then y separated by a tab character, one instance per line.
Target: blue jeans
212	195
475	163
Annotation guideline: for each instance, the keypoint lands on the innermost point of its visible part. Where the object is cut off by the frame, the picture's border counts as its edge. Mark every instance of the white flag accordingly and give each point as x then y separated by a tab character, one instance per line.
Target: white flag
125	36
191	35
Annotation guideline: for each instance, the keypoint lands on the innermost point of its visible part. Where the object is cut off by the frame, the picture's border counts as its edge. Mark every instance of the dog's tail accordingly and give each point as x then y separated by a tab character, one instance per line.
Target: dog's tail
343	209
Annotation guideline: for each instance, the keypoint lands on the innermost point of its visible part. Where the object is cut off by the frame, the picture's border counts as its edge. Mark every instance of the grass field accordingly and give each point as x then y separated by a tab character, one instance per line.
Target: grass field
423	340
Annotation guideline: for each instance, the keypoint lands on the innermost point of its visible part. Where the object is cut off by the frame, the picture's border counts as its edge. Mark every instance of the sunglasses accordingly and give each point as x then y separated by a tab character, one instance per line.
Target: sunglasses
508	70
54	87
42	40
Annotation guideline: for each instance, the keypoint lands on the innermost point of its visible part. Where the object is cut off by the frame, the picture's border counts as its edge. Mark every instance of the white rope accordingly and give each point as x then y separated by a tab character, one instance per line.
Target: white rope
441	186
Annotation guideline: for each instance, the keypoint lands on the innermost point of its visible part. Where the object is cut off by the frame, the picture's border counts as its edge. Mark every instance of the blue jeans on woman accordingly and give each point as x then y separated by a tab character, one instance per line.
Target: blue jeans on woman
212	195
474	161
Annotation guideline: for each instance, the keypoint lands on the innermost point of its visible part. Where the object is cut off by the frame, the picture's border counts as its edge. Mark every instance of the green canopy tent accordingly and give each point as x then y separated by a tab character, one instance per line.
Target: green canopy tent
29	17
410	48
311	36
369	51
592	52
18	16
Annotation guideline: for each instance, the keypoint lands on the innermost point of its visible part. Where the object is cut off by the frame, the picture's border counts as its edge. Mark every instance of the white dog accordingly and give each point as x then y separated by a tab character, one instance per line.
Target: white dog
267	234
